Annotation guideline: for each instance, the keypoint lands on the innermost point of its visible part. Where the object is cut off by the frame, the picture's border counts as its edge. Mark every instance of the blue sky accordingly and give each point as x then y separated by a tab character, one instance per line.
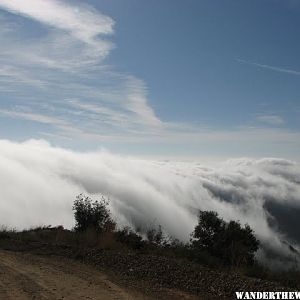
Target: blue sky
194	78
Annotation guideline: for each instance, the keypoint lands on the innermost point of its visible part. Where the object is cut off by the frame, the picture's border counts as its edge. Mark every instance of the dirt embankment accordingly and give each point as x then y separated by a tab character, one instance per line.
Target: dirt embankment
25	276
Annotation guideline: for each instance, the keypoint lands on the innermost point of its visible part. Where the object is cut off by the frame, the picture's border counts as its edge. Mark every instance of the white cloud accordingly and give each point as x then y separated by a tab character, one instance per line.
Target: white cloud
40	182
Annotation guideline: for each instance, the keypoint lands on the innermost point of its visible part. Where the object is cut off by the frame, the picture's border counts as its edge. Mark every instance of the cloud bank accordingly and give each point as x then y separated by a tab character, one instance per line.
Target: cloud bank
39	183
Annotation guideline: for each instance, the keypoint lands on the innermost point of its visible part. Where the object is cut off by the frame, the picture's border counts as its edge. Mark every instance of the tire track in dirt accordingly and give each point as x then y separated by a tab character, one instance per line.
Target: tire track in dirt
24	277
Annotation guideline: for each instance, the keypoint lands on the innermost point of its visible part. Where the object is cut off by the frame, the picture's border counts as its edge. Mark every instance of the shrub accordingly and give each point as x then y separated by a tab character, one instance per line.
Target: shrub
130	238
91	214
6	233
156	236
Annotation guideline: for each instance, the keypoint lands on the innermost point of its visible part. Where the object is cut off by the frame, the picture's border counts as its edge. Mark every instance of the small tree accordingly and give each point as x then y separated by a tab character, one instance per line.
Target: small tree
230	242
209	232
92	214
240	244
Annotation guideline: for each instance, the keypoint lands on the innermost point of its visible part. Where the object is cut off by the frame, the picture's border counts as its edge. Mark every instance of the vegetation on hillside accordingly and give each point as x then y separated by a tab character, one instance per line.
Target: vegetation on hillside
233	244
229	243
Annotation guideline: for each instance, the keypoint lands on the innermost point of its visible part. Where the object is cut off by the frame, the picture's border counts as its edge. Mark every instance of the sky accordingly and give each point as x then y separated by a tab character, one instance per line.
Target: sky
165	107
194	78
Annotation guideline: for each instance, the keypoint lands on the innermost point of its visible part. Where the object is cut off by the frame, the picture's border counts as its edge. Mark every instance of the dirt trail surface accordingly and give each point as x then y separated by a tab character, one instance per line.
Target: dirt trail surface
26	276
35	270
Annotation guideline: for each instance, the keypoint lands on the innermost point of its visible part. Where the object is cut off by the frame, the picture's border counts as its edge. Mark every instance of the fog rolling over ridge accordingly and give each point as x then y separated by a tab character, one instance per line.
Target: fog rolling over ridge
39	183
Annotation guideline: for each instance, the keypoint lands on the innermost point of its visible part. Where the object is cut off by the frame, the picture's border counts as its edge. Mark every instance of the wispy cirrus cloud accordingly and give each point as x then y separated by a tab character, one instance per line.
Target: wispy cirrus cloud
272	68
67	62
45	119
10	74
82	22
72	29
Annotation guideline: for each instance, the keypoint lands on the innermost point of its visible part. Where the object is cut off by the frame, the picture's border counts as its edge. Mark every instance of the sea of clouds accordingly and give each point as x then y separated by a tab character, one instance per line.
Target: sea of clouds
39	183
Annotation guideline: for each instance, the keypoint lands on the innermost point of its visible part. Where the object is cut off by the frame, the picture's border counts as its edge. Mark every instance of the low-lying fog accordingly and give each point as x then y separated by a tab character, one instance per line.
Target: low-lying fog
39	183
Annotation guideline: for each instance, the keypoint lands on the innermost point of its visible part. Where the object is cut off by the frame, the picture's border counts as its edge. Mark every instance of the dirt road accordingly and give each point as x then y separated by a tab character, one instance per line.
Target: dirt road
26	276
